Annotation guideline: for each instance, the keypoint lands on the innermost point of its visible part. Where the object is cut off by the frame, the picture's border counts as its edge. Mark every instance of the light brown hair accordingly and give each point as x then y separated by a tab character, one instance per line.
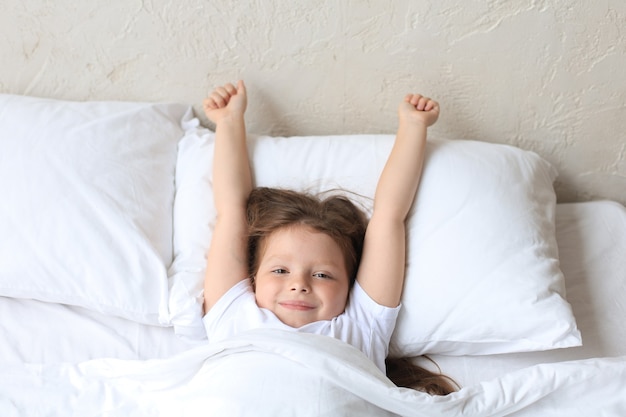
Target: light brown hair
270	209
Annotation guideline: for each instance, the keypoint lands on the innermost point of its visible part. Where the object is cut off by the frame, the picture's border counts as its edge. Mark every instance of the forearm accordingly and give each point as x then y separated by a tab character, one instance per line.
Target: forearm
382	265
232	180
400	178
381	273
232	183
226	259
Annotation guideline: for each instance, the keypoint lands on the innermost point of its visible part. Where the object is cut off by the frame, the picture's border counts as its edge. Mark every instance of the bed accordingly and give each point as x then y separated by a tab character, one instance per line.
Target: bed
106	217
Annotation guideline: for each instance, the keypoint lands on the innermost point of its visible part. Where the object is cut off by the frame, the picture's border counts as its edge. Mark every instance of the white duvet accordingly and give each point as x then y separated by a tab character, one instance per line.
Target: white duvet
275	373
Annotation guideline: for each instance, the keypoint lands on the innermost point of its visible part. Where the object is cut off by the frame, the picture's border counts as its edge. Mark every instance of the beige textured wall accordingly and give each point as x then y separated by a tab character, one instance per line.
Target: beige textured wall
548	76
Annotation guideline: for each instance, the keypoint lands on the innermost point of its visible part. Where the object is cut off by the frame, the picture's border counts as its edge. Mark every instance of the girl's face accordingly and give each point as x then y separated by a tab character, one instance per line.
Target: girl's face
302	276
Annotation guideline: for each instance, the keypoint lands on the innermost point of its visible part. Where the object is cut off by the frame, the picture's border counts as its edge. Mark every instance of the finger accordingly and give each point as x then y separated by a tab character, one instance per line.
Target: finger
212	103
230	89
431	105
241	87
415	98
223	92
217	99
222	95
209	104
422	102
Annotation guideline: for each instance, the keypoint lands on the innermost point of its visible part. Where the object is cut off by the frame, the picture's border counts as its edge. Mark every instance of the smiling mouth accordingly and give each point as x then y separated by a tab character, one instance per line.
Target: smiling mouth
296	305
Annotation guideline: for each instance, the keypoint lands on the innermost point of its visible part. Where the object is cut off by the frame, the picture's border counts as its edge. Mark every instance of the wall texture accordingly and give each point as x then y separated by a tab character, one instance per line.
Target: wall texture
542	75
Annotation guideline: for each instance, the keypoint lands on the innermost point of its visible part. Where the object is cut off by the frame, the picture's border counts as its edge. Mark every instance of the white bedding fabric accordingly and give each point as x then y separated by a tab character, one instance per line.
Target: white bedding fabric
592	244
591	239
592	248
87	192
273	373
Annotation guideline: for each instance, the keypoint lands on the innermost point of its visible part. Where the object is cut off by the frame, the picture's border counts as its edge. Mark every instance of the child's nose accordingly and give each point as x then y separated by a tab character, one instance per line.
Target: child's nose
299	283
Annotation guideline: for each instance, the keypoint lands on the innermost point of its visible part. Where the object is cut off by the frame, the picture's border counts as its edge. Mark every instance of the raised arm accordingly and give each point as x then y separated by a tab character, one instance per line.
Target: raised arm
232	183
381	272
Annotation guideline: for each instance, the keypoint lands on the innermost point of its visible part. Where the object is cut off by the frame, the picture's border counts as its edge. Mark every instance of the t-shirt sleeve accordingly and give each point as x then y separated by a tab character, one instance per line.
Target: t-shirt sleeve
220	321
380	319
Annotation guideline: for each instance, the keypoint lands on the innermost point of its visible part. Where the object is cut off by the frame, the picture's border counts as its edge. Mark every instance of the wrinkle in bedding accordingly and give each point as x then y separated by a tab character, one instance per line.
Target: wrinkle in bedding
309	375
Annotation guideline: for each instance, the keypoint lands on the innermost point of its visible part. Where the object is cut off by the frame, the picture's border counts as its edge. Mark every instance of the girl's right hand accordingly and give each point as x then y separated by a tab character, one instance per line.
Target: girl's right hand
226	101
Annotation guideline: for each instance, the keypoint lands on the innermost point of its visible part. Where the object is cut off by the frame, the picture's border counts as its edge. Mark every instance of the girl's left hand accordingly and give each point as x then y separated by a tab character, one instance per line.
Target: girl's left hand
418	109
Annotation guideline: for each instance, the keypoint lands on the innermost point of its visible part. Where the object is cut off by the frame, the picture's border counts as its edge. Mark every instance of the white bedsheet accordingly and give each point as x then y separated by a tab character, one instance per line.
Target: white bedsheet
273	373
40	332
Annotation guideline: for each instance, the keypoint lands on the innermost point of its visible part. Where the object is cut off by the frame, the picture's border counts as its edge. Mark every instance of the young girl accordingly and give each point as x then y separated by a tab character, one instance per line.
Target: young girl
284	259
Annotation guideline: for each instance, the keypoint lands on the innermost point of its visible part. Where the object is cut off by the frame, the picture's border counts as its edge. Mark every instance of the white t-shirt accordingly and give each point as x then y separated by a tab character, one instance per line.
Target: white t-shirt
364	324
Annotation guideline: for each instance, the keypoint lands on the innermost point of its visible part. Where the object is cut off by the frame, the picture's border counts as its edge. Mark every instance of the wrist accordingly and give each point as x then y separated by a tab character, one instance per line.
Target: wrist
412	125
229	120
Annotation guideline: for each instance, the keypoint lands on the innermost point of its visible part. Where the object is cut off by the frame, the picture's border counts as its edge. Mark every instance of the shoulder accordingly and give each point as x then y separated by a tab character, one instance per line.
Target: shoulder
221	320
237	291
237	311
363	316
366	325
361	305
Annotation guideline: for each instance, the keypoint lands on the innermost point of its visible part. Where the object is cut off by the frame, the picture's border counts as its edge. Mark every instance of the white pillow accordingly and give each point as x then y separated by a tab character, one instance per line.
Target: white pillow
194	213
87	193
483	274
